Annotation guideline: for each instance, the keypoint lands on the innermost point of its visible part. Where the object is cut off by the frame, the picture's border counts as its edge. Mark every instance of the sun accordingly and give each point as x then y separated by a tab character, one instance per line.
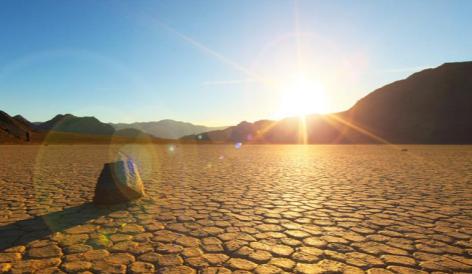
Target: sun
301	96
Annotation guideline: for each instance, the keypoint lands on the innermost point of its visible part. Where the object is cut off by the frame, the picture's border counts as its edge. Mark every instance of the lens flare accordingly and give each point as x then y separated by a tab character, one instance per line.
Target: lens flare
301	95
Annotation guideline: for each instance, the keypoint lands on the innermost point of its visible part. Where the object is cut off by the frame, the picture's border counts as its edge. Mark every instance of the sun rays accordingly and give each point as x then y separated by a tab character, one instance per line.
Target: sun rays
300	94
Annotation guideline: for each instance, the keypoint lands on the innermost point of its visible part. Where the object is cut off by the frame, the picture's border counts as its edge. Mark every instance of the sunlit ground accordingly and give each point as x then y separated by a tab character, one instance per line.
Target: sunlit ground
263	209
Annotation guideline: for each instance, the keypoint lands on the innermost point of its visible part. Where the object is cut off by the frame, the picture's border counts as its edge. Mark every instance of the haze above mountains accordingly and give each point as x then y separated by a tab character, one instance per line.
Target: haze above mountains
430	106
167	129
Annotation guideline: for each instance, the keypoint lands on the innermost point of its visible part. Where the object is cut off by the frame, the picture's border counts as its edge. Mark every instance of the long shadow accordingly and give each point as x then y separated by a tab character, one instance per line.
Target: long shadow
37	228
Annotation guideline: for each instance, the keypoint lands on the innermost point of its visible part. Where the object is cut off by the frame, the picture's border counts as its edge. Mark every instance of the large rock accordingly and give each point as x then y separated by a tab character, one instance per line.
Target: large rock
119	182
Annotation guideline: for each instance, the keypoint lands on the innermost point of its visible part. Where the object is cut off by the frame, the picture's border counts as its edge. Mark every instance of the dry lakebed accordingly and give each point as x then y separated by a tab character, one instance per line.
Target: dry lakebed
243	209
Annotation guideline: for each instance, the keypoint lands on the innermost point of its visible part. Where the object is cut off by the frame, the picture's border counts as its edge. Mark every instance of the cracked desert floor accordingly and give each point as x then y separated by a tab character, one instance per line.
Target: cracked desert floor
256	209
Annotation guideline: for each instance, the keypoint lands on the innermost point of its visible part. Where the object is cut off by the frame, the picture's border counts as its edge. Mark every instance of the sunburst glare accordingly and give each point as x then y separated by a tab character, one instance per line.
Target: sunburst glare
302	95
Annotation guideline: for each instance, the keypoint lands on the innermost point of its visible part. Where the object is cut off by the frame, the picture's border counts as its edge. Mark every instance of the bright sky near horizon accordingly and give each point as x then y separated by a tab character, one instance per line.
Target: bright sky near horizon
215	62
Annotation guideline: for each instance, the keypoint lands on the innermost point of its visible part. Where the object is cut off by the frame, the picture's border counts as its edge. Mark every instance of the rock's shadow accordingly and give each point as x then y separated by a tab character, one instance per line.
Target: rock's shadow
24	231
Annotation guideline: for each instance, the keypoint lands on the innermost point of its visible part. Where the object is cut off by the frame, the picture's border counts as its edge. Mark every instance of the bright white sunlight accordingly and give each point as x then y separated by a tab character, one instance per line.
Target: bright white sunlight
302	95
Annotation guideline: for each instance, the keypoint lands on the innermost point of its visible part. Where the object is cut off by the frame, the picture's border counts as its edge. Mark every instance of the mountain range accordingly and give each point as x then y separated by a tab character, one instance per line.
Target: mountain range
67	128
70	128
71	123
430	106
14	129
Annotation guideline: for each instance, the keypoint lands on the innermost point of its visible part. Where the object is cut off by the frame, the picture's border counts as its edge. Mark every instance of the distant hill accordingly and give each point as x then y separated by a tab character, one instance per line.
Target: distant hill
67	129
430	106
71	123
167	129
132	133
13	129
24	122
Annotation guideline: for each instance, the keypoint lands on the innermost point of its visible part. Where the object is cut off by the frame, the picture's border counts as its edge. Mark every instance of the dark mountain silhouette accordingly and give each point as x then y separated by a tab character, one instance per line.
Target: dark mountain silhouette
24	122
71	123
168	129
12	130
434	105
430	106
67	129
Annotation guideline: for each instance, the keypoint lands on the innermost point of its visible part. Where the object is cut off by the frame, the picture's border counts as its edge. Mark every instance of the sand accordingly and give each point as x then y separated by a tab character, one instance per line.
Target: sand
262	209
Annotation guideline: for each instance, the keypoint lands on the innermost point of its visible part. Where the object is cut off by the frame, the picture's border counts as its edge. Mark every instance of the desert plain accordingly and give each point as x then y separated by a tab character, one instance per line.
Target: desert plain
248	209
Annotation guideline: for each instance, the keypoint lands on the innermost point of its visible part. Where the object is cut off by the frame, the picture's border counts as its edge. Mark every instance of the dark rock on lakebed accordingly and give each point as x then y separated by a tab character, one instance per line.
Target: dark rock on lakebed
119	182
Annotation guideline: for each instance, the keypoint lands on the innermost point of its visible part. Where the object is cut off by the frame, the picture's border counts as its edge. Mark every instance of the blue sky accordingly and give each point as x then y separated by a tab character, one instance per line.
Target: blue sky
214	62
